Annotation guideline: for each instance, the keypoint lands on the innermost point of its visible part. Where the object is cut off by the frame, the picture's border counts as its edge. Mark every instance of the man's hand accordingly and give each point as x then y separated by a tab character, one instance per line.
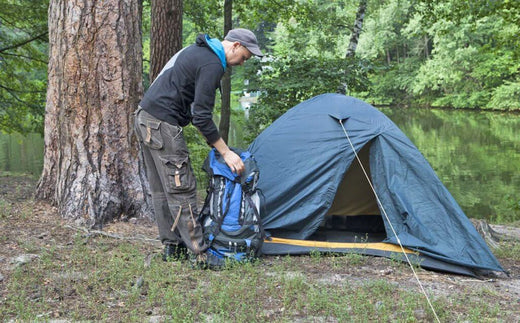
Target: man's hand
234	162
230	157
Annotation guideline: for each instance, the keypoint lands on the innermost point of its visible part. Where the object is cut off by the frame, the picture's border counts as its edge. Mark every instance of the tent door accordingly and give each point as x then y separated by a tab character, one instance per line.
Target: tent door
354	215
354	195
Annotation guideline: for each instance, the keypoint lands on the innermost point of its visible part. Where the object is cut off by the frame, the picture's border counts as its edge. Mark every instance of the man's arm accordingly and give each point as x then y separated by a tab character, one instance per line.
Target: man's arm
208	78
206	83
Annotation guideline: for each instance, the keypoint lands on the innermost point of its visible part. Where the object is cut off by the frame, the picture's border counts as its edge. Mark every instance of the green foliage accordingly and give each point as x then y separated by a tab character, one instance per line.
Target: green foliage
457	10
299	34
455	53
146	27
199	150
506	96
205	16
384	37
287	81
23	64
468	63
441	53
21	153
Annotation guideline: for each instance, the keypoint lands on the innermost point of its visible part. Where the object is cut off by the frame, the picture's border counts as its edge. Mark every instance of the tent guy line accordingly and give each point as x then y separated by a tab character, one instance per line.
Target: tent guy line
388	219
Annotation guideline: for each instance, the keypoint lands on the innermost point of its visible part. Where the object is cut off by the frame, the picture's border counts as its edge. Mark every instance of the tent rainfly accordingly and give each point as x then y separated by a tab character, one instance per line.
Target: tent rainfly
317	196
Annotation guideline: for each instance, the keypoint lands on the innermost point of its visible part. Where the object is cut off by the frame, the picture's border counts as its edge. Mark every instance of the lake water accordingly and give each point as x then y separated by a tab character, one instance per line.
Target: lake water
21	154
476	154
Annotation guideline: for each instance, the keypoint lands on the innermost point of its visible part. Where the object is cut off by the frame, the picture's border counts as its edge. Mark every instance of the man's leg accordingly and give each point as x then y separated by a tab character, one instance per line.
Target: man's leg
180	187
150	141
173	181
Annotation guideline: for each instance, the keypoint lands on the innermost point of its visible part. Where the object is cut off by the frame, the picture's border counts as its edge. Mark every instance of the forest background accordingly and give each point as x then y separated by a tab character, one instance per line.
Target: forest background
409	53
427	53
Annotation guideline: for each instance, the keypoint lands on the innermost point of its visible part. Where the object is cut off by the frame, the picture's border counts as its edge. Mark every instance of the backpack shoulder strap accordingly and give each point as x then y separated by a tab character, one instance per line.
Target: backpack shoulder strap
247	197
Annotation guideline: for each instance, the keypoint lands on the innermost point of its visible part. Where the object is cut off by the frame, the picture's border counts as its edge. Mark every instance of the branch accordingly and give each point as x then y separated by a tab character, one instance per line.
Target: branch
6	22
91	233
23	42
279	5
27	57
12	91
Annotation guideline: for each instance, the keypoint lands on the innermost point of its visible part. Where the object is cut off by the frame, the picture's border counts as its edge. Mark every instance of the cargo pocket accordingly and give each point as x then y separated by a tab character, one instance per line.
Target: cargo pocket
178	175
151	133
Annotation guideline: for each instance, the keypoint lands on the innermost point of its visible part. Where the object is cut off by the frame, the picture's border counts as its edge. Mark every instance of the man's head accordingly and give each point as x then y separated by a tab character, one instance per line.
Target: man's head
240	44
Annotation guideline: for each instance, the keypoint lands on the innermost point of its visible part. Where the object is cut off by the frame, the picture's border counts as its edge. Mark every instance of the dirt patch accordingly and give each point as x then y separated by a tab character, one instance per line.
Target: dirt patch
27	226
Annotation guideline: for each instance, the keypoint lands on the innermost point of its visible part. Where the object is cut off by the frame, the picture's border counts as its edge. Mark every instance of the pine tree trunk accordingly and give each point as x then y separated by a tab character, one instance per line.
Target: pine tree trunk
166	33
91	170
225	110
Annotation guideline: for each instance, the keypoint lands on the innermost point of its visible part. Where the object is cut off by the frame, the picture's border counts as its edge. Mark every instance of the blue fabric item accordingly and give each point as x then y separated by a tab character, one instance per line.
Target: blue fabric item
219	167
303	157
233	190
222	253
218	49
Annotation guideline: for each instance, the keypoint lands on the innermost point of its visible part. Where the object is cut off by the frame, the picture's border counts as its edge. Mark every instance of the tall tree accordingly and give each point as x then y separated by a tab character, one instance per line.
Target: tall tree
225	110
95	81
166	33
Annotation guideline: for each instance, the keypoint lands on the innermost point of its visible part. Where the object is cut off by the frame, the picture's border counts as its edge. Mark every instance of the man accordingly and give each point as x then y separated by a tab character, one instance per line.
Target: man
184	92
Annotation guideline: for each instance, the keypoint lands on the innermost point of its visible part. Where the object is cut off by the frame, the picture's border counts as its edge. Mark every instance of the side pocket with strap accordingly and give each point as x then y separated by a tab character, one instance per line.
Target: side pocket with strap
178	175
151	133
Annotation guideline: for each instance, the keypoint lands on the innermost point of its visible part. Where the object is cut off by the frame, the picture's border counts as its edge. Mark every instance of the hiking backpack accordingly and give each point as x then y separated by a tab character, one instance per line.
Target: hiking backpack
230	216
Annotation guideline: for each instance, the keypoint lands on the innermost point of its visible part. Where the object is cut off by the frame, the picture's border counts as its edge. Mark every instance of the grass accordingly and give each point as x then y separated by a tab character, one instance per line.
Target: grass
102	279
508	249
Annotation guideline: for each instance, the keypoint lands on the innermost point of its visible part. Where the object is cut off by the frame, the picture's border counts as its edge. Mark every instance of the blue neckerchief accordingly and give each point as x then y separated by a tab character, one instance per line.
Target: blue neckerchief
217	48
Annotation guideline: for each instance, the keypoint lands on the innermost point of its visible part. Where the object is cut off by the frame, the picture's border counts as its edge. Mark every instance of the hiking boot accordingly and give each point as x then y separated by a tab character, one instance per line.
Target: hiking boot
173	252
215	260
209	259
198	261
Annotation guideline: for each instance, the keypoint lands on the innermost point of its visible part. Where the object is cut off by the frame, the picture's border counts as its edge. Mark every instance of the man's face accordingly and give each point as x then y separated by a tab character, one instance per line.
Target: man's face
237	55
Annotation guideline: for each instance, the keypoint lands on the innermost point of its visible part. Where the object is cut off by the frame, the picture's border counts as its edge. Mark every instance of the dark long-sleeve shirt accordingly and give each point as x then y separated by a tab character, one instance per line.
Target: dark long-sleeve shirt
185	89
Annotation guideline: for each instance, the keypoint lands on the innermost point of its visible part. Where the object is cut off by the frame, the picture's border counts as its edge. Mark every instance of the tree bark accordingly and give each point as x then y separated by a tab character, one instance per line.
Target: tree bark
358	27
354	39
91	170
225	109
166	33
426	47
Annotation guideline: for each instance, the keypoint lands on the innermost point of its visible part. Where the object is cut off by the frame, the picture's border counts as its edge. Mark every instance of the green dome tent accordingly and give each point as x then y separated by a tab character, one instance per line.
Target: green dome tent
318	196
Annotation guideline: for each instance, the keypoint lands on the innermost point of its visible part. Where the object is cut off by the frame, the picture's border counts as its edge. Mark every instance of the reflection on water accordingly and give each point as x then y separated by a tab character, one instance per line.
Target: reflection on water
21	154
475	154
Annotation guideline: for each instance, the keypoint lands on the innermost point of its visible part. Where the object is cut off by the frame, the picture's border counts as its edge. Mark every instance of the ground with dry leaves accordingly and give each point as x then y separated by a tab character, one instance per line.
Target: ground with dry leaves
30	228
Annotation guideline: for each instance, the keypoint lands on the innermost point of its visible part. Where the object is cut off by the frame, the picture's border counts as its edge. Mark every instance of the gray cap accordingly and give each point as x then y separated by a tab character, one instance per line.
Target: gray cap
246	38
